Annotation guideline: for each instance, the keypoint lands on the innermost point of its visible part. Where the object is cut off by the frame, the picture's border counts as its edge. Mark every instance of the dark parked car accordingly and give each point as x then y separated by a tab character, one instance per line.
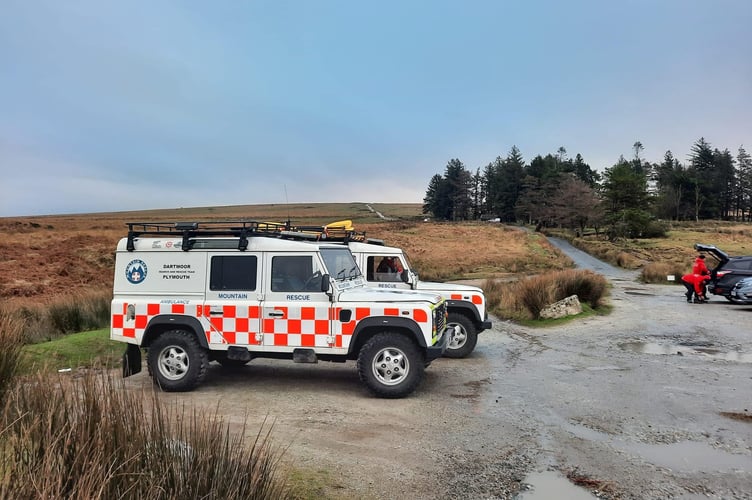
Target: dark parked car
742	291
727	272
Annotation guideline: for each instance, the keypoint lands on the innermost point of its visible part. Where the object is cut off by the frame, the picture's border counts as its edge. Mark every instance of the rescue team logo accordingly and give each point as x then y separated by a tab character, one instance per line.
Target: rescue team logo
135	271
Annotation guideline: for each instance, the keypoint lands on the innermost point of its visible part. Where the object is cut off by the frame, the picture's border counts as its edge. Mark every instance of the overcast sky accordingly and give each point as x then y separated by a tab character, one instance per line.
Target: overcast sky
145	104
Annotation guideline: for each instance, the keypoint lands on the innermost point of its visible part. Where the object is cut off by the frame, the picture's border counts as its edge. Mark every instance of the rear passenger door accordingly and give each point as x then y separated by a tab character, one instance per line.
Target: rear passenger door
231	312
295	312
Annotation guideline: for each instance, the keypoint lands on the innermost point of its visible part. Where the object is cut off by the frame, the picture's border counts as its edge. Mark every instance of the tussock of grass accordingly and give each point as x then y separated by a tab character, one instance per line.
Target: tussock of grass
11	341
657	272
526	298
80	312
627	260
91	438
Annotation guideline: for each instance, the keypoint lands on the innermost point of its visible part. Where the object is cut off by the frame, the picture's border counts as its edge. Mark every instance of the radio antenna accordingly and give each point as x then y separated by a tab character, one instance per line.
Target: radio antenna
287	202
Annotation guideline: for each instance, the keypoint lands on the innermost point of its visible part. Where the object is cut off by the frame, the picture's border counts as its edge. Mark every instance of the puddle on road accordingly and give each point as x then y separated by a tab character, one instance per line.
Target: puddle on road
693	349
550	484
689	456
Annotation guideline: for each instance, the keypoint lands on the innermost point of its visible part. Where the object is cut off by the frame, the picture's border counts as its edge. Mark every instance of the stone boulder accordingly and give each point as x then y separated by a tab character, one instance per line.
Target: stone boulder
563	308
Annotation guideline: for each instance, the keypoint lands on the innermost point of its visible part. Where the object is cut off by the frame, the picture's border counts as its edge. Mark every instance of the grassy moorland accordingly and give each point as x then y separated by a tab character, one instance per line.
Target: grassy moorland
674	254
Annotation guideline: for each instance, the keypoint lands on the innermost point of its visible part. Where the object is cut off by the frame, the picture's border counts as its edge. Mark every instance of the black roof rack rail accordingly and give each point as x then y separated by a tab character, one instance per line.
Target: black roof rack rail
241	229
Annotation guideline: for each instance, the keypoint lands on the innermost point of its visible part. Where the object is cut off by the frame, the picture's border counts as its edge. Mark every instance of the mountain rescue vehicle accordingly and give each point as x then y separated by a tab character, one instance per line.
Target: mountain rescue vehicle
189	293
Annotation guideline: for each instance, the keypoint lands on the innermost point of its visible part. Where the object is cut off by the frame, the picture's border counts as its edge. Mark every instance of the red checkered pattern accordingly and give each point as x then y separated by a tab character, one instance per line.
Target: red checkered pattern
474	298
299	326
238	325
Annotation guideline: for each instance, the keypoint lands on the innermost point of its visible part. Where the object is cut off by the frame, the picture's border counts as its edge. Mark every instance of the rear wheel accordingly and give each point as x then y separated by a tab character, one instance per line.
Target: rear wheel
391	365
177	362
465	336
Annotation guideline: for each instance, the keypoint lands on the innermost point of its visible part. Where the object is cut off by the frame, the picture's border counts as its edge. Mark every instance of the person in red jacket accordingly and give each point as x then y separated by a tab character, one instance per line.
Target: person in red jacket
695	282
699	267
695	285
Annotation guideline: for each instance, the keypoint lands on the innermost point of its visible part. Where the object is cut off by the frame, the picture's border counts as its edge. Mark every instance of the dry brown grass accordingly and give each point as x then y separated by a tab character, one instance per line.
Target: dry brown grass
450	251
91	438
658	272
11	341
44	258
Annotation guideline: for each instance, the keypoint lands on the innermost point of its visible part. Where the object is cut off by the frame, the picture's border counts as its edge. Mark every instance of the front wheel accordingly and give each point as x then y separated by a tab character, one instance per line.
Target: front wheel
177	362
465	336
391	365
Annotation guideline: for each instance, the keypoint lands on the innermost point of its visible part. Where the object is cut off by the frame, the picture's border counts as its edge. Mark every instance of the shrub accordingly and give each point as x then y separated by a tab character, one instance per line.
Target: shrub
536	293
91	438
80	313
589	287
76	313
626	260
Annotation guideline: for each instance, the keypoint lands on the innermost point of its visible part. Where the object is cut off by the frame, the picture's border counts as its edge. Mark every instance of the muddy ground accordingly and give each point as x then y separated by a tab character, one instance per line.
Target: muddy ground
652	401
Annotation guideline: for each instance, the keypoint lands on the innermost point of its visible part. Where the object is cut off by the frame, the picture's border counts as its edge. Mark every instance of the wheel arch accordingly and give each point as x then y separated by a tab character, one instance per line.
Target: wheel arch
166	322
369	327
466	308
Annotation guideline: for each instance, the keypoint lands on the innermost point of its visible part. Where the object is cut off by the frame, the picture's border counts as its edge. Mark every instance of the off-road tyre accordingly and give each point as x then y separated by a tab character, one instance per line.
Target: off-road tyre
391	365
465	336
177	362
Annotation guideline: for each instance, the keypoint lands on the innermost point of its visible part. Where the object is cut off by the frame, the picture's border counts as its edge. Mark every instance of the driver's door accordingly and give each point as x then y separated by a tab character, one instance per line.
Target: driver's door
295	312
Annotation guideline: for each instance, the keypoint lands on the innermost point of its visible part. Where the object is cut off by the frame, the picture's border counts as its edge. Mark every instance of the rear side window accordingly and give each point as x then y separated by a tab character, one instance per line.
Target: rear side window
233	272
738	264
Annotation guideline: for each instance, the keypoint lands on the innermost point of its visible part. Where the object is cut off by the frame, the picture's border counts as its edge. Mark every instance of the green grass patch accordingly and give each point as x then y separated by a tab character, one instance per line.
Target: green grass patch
306	484
85	349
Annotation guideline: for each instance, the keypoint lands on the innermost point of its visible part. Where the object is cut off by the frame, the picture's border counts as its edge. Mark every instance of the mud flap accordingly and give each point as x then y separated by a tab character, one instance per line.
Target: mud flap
131	360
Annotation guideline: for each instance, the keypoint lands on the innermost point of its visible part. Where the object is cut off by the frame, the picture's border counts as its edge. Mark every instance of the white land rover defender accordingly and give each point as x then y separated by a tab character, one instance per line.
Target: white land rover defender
231	291
388	267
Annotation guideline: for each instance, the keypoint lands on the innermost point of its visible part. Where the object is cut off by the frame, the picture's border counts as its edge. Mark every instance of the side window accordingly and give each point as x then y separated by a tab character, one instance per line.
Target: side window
740	265
295	273
233	272
385	268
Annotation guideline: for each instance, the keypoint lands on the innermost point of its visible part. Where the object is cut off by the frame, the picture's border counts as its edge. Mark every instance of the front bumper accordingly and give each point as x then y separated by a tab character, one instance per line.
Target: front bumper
437	350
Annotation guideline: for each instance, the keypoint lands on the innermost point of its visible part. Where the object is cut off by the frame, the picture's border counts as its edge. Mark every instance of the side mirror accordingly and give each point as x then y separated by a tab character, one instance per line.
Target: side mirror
325	283
405	276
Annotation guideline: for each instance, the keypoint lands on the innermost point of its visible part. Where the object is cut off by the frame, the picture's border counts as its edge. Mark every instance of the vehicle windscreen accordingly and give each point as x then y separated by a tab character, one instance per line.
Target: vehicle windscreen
340	263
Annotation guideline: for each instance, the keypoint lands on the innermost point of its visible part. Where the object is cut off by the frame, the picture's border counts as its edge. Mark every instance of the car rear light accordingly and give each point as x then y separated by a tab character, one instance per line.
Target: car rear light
721	274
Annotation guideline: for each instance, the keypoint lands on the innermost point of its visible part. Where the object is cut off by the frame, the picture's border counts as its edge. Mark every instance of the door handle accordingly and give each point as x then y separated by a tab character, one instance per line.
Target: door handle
215	313
276	314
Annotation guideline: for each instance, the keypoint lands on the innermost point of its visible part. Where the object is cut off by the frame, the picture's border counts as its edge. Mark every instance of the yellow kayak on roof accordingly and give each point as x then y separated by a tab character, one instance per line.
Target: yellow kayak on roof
342	225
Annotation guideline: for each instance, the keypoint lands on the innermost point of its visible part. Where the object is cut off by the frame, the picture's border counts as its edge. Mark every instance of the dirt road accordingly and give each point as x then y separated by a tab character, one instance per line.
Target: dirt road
652	401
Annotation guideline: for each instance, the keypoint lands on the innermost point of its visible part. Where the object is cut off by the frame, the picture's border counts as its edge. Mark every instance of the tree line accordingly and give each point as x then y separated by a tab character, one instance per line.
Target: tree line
629	199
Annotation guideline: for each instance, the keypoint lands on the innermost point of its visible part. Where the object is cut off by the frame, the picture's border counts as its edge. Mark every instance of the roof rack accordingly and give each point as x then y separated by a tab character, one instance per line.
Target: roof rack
241	229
